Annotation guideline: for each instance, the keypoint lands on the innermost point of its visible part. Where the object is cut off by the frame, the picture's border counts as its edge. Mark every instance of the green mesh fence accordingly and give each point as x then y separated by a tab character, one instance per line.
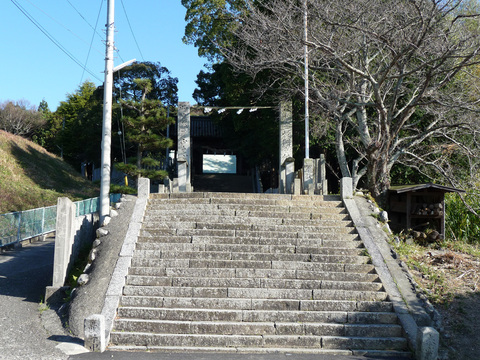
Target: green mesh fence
22	225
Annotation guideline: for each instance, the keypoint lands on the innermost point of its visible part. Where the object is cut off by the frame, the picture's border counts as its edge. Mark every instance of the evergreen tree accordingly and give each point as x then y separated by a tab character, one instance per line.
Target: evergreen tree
145	121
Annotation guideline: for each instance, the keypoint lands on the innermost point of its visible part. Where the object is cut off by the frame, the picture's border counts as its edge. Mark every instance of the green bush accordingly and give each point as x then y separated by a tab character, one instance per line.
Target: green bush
461	224
119	189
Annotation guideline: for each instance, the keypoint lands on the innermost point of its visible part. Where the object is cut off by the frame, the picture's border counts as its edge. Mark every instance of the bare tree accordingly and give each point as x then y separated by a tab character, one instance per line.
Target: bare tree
388	75
20	117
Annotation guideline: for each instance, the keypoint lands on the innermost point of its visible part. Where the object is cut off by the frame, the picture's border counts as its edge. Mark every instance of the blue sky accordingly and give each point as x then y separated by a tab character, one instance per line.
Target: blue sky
33	68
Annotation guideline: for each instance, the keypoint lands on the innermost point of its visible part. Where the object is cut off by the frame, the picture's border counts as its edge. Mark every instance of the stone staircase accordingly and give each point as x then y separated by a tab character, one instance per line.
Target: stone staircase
253	273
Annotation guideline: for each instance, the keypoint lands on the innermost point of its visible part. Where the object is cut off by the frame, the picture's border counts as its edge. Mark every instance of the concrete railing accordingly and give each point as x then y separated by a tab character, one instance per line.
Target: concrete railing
423	338
75	226
99	326
72	233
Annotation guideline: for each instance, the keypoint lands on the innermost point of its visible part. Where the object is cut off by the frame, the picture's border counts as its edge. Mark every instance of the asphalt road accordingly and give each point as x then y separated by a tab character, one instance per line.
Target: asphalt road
24	274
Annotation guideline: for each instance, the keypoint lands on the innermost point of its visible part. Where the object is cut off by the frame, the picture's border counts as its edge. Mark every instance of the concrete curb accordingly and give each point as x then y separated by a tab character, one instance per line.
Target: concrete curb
99	326
422	338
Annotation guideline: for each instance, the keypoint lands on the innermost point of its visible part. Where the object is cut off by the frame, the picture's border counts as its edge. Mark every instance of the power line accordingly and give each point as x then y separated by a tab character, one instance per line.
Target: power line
95	31
93	36
83	17
59	23
51	38
131	30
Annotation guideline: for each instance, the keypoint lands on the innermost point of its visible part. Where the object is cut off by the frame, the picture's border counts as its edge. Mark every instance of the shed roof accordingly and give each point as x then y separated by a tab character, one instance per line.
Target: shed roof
415	187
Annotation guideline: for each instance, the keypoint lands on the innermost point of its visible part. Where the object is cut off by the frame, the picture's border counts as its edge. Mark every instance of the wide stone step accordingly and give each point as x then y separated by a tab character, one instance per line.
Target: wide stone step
236	248
240	223
329	240
247	210
252	264
231	327
383	309
254	274
139	280
258	341
251	316
248	351
190	230
246	198
247	226
297	218
336	292
259	213
229	259
236	195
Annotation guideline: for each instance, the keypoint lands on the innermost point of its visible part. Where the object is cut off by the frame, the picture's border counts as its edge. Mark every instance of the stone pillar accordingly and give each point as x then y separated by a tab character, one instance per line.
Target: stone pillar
308	176
321	176
143	188
182	166
94	326
286	143
184	146
64	237
346	187
427	343
289	167
297	188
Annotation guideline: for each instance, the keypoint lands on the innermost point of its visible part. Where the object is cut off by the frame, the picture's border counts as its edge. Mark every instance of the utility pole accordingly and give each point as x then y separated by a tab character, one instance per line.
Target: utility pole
107	115
307	121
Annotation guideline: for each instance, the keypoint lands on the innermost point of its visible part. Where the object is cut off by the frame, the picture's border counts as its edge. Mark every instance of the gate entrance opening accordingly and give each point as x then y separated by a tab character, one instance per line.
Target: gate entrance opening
219	164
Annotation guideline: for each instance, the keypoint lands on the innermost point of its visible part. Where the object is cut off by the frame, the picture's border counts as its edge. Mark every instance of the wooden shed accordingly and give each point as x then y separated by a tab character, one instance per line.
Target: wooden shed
418	207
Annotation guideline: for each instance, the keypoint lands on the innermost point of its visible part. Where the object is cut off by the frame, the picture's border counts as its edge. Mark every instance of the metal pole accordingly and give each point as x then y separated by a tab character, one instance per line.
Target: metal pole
107	115
307	124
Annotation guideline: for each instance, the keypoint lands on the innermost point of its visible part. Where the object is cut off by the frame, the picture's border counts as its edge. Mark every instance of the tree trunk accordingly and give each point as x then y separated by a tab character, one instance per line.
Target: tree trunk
378	174
341	157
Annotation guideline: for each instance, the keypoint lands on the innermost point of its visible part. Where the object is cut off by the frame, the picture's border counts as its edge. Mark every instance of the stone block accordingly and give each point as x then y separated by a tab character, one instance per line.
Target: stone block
346	188
143	188
427	343
55	294
94	327
308	174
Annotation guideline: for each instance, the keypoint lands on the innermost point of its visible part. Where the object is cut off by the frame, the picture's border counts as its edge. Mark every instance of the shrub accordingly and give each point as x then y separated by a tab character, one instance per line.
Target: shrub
462	224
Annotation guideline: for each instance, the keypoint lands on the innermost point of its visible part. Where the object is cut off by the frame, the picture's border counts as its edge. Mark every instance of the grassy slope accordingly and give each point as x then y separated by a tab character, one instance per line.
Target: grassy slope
31	177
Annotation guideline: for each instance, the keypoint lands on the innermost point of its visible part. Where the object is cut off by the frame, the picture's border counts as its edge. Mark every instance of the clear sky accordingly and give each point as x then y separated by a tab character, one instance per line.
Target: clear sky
33	68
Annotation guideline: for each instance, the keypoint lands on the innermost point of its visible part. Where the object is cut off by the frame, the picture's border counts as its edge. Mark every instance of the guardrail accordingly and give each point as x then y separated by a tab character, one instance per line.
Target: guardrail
23	225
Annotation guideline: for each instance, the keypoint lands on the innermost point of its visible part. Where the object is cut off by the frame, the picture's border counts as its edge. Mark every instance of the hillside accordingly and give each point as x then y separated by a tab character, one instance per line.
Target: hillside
31	177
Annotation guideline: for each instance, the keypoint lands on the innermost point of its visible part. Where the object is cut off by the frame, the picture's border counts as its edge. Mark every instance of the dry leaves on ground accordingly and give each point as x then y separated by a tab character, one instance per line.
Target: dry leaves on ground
452	280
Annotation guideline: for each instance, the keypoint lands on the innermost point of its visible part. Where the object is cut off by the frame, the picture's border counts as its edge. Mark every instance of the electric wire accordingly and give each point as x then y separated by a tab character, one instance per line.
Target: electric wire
131	30
65	27
93	37
51	38
95	29
86	21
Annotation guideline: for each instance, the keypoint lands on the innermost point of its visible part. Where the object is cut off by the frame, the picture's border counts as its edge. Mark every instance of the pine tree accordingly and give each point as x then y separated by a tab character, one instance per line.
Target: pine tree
145	122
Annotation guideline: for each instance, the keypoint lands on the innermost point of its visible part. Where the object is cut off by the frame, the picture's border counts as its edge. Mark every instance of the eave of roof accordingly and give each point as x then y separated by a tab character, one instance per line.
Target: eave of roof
415	187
